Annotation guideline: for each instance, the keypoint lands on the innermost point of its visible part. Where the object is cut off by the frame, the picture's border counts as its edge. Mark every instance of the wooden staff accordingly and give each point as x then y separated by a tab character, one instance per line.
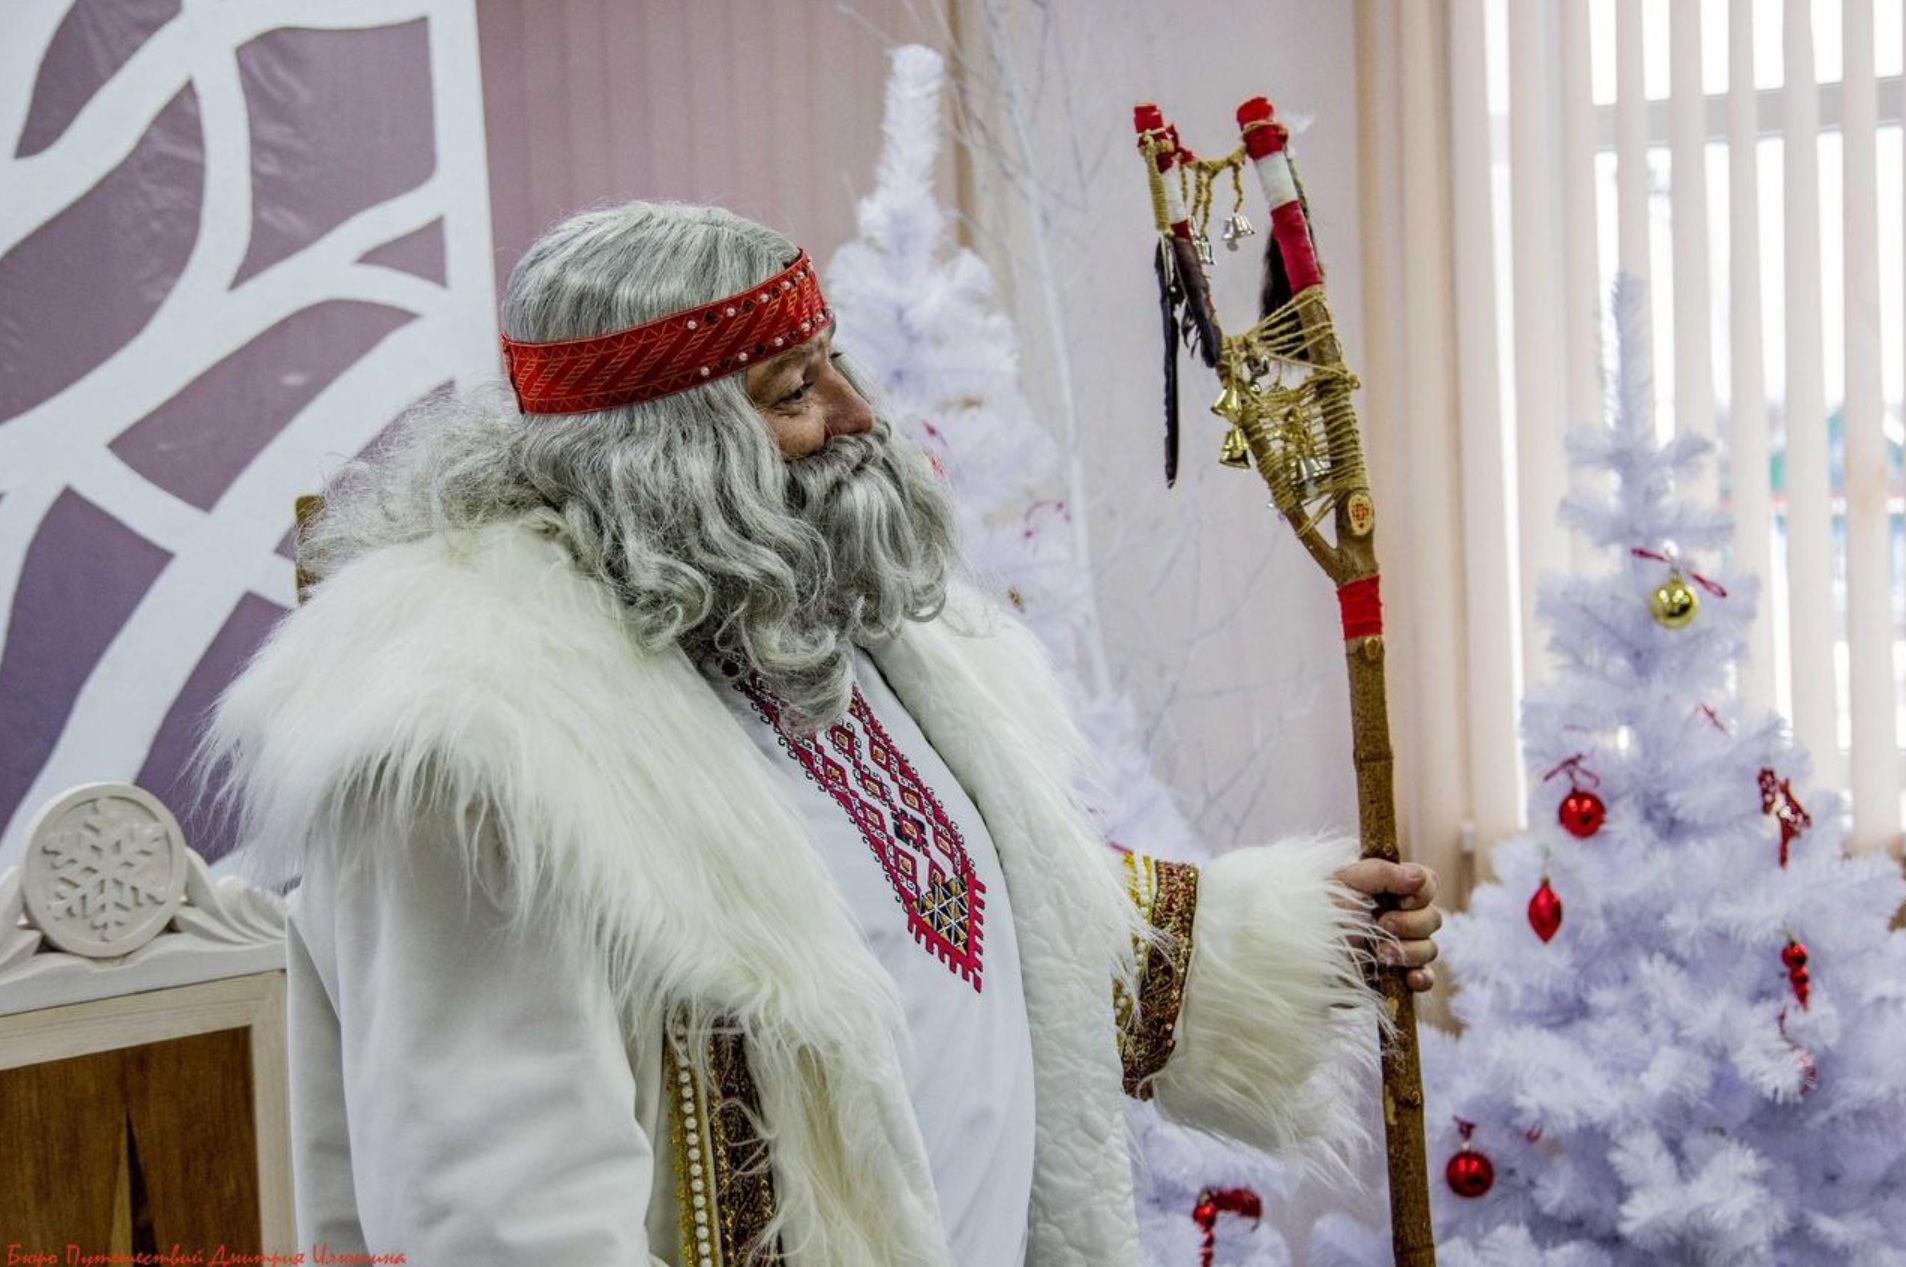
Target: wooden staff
1302	437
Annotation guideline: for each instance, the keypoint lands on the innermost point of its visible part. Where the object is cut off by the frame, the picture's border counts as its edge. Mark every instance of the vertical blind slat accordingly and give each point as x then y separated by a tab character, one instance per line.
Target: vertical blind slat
1581	272
1809	508
1536	294
1874	772
1631	143
1747	375
1488	559
1693	340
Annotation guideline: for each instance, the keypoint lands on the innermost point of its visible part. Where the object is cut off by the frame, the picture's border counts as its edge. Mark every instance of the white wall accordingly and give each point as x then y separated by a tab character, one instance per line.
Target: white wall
1215	621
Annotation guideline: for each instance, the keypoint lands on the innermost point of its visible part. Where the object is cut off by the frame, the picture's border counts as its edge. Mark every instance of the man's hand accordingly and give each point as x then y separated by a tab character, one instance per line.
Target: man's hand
1413	920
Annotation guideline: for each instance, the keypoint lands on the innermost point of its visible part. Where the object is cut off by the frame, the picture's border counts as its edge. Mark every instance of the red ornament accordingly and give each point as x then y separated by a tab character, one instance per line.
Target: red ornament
1794	956
1215	1201
1581	813
1777	798
1470	1173
1545	912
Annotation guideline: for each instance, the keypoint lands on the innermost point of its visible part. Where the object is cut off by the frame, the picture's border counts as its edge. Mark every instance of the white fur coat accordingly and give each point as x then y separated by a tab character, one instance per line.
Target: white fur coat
482	674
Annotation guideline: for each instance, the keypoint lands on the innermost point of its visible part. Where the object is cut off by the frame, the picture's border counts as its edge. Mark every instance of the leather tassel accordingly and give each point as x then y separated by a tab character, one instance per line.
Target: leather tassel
1199	322
1274	290
1168	299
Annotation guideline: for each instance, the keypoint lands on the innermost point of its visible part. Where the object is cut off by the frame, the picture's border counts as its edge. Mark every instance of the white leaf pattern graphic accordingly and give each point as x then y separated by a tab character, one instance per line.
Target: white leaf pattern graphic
184	570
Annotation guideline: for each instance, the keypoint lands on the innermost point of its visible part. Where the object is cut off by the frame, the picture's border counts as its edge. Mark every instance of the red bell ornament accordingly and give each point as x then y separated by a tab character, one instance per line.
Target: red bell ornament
1581	813
1470	1174
1545	912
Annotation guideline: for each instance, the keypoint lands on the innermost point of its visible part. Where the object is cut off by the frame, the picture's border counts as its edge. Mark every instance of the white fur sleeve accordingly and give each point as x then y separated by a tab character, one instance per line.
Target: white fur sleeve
1276	1029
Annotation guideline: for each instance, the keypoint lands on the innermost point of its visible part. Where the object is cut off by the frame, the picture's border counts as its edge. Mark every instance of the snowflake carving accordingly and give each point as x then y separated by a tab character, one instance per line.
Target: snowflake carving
110	869
105	870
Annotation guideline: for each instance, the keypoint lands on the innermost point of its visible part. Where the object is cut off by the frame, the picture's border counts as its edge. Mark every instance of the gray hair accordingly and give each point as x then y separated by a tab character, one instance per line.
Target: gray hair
684	505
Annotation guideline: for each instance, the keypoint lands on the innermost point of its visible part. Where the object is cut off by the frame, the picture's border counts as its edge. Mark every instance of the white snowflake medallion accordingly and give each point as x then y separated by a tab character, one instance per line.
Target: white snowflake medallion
105	870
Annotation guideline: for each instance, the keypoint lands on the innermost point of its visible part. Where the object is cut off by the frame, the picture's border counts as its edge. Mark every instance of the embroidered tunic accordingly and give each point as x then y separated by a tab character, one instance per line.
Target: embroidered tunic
466	1086
914	859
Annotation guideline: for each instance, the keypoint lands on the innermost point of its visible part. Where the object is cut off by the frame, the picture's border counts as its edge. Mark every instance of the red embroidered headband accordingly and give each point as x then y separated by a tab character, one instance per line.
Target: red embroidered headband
670	354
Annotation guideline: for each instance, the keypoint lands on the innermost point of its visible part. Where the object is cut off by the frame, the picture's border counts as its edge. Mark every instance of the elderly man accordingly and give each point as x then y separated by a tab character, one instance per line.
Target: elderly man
692	868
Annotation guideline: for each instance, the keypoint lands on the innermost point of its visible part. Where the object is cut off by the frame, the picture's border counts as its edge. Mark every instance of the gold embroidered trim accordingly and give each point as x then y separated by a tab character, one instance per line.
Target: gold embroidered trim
1166	895
723	1184
743	1177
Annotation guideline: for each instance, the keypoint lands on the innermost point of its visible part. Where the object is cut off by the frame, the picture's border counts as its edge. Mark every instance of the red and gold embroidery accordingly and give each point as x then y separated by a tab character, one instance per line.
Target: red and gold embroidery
1166	894
917	844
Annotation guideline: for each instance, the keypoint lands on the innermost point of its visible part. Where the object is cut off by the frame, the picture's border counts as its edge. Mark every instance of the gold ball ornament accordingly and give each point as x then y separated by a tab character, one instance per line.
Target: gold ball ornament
1674	603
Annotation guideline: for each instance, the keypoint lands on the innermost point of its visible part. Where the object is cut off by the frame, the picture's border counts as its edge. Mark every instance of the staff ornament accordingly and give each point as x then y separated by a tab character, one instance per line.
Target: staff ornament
1286	401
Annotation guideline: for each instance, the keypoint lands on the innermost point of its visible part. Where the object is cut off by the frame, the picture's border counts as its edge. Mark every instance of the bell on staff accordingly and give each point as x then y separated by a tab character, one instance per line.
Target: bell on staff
1312	477
1236	229
1203	244
1236	453
1230	406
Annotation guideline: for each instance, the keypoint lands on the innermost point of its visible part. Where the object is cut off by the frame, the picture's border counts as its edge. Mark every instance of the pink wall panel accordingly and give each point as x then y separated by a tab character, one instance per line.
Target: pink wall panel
772	110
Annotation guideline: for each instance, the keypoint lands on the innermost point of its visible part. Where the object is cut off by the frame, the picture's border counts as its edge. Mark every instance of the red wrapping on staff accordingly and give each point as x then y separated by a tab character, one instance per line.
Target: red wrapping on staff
1293	243
1362	608
1148	120
1259	142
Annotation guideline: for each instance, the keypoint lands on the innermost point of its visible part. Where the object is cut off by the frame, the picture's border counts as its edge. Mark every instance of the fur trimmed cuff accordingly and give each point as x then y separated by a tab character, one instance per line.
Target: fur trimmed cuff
1276	1039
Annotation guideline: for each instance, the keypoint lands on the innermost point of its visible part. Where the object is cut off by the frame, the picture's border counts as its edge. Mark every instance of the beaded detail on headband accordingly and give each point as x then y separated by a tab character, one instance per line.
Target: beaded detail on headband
673	353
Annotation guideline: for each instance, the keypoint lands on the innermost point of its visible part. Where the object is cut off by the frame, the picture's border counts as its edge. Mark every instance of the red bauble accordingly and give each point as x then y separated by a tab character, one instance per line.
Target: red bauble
1581	813
1545	911
1794	956
1470	1174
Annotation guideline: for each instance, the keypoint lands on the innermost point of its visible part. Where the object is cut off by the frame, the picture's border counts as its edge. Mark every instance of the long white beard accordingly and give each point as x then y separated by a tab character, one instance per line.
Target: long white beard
887	525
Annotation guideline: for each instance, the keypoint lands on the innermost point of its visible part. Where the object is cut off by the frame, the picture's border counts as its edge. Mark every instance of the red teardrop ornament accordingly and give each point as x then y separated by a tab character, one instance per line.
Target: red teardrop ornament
1581	813
1470	1174
1545	911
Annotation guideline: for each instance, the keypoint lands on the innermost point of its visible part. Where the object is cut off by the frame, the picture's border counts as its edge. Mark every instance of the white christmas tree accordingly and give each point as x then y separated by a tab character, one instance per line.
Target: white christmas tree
1683	1010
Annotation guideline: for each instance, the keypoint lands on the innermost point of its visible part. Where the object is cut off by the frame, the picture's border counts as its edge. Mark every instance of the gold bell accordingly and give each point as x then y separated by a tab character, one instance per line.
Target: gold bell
1236	229
1229	405
1236	453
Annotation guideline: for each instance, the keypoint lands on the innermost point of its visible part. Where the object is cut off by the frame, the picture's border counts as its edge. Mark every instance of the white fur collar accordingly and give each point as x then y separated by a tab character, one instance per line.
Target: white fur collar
484	673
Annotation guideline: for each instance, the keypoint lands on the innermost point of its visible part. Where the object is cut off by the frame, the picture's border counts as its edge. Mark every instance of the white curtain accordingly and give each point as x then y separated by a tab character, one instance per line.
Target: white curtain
1745	158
